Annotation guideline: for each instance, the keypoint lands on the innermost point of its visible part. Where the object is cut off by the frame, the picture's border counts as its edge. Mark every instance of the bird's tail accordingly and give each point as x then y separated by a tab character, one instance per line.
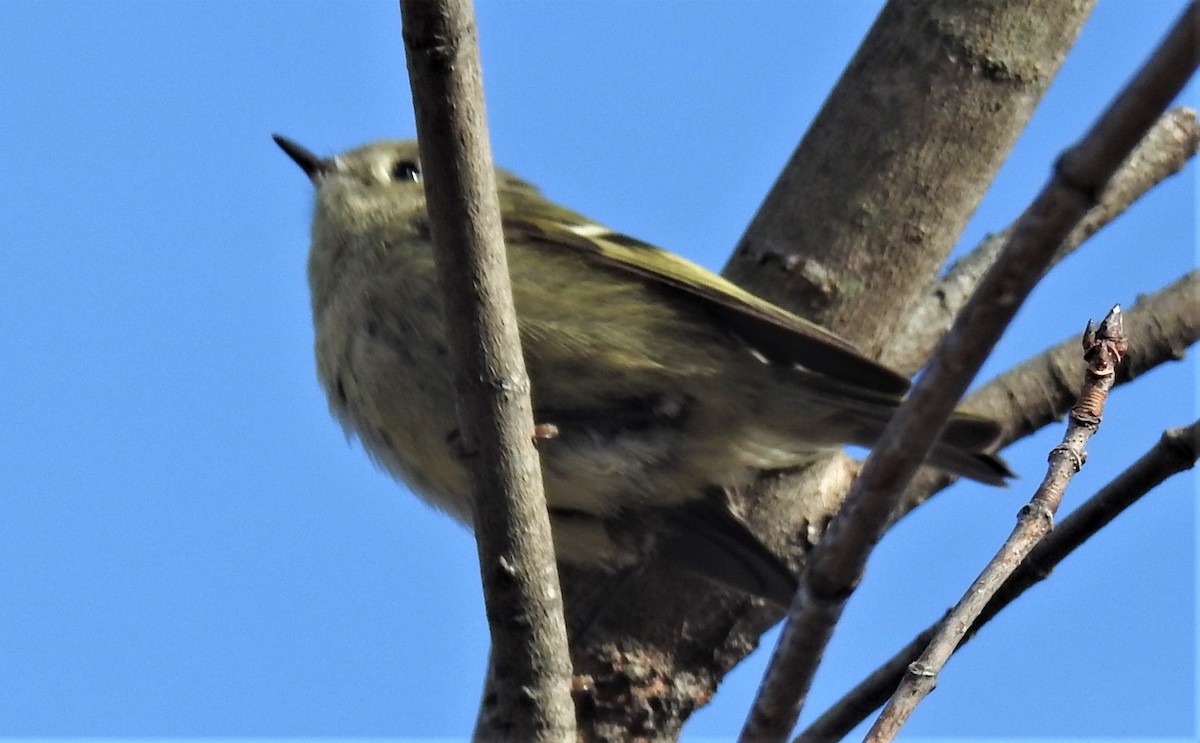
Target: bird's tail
961	450
859	416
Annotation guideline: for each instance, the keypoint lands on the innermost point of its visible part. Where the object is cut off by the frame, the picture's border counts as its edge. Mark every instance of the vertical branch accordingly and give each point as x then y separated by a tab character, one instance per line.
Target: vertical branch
528	690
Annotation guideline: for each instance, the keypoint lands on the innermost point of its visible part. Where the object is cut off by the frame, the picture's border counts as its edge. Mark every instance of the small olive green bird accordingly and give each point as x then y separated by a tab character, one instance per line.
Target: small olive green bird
665	382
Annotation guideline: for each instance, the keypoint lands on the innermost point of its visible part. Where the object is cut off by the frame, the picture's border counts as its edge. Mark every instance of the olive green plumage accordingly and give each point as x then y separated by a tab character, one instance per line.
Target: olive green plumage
664	380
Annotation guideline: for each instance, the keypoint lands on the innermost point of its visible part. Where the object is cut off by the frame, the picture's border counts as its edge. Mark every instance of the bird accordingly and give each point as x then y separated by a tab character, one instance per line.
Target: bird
665	384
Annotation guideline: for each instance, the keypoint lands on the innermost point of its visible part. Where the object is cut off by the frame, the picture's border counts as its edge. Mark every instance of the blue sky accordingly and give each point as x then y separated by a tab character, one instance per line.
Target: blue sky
188	545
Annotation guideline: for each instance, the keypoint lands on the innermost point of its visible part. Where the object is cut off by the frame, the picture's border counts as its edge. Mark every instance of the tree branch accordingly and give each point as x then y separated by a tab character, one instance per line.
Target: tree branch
1104	347
1037	392
836	564
1176	451
1166	148
528	691
894	176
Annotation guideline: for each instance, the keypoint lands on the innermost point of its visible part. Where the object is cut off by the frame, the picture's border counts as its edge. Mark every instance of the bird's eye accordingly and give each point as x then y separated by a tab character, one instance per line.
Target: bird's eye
406	170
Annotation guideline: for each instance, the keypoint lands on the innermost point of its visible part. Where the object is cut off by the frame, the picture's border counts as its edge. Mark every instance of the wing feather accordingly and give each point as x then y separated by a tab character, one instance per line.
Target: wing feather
772	331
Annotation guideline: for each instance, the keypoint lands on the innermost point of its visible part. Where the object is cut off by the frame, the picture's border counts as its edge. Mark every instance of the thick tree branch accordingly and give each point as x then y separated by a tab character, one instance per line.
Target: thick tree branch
1104	347
884	181
528	691
835	566
1166	148
1176	451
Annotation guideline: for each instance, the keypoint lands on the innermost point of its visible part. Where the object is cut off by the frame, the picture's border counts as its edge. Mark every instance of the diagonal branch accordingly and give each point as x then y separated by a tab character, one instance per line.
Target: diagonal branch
1104	347
1176	451
836	565
1037	392
1166	148
879	190
528	691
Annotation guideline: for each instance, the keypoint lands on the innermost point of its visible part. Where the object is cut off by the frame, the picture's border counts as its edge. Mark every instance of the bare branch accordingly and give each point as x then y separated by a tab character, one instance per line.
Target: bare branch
1037	392
528	691
1166	148
1104	347
1176	451
836	564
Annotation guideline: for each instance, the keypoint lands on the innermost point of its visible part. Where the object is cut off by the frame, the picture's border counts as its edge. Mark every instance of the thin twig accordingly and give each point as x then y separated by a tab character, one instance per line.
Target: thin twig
1176	451
1038	391
1166	148
529	681
836	564
1103	347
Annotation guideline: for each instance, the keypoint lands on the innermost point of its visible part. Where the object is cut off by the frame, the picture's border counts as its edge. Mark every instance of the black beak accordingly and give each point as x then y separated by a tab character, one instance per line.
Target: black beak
313	166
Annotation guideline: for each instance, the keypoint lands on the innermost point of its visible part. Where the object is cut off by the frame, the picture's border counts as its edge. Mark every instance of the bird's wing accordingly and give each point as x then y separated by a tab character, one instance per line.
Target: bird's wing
772	331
